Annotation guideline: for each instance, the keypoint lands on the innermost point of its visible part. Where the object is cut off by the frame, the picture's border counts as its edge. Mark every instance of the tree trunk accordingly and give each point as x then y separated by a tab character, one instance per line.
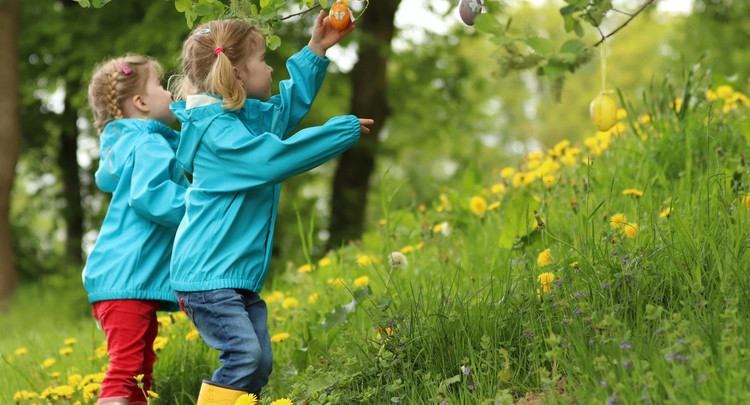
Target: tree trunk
369	83
10	137
68	162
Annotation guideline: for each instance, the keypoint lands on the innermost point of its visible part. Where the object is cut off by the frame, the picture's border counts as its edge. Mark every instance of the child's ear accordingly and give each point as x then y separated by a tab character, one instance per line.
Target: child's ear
140	104
236	73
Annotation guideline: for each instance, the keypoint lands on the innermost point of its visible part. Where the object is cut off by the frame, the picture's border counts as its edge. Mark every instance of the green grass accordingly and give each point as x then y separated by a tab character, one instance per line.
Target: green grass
654	318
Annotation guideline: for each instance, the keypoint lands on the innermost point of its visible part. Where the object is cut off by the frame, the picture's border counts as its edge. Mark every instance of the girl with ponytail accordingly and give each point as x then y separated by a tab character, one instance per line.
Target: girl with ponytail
236	141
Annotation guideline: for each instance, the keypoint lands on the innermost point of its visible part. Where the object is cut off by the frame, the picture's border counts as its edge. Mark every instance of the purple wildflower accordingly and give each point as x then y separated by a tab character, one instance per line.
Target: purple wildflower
625	345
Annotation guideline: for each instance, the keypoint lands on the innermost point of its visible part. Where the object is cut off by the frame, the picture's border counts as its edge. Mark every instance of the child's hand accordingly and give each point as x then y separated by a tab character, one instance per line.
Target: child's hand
325	36
363	123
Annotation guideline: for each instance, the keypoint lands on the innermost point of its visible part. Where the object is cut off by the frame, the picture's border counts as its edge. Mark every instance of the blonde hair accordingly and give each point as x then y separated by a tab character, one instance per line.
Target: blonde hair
204	70
113	82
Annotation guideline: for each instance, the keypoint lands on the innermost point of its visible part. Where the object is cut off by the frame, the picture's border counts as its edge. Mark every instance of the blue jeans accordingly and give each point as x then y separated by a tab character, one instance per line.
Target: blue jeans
234	322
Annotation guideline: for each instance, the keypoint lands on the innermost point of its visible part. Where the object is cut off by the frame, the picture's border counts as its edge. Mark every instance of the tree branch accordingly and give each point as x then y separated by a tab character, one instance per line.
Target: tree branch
640	10
303	12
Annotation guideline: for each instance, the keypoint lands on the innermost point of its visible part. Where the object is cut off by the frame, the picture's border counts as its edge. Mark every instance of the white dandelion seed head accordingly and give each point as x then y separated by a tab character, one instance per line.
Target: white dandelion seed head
446	229
398	261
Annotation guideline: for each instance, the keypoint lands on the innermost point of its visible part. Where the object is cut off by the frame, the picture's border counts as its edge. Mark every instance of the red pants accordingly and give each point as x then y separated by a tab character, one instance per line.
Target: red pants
130	327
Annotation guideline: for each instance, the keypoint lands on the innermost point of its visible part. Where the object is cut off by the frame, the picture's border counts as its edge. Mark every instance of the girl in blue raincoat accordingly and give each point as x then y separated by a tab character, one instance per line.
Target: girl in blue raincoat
126	275
236	142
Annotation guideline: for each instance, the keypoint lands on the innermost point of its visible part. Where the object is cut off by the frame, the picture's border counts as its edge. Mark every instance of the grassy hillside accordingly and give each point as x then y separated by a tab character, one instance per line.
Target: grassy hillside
613	271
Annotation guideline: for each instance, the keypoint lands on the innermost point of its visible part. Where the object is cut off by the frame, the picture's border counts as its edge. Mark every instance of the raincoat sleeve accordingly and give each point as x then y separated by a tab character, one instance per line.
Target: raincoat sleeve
153	193
250	161
296	94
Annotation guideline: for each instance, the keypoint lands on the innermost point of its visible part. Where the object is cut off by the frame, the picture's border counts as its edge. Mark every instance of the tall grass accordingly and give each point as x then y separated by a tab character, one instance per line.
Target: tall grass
611	272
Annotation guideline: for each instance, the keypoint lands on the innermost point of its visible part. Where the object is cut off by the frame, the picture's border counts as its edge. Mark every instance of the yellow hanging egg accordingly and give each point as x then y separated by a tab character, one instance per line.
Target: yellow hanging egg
603	111
340	15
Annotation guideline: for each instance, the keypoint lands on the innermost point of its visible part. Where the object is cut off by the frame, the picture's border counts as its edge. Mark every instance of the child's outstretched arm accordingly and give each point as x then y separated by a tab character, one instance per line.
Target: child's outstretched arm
265	159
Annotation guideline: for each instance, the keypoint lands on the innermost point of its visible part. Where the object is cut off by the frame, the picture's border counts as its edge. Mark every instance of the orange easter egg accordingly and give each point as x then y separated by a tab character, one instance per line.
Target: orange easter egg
603	111
340	15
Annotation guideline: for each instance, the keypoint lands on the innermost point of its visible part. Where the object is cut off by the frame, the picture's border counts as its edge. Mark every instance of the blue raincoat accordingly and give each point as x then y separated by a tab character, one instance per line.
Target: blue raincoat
130	259
238	160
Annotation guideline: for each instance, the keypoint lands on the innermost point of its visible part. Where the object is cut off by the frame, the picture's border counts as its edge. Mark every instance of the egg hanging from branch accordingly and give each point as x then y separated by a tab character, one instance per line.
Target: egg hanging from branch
603	110
469	10
340	15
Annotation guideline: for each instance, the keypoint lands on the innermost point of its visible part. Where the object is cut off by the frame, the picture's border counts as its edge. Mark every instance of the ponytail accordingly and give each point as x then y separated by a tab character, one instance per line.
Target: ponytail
210	56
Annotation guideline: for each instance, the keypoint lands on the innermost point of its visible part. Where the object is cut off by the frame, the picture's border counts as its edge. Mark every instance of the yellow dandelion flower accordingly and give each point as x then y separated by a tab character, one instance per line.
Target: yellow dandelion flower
337	282
160	342
518	179
498	188
382	222
631	230
247	399
407	249
747	203
101	351
313	298
621	113
164	321
275	296
66	350
711	95
419	245
48	362
152	394
74	379
21	395
478	206
495	205
549	180
279	337
54	374
70	341
618	220
364	260
574	265
437	228
282	401
422	208
534	155
64	390
666	212
644	119
91	387
20	351
192	335
507	172
361	281
546	280
290	303
533	164
444	199
138	377
305	268
725	91
545	258
633	192
326	261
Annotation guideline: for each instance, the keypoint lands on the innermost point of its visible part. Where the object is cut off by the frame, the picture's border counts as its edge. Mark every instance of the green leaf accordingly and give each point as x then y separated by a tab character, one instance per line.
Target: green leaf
84	3
183	5
254	10
299	358
502	40
264	3
267	12
578	29
320	383
542	46
554	70
569	22
568	10
488	24
335	318
574	46
273	42
202	9
99	3
517	217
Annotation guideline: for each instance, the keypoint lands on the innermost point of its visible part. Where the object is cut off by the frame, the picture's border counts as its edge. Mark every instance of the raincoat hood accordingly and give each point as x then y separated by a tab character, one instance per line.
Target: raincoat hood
116	144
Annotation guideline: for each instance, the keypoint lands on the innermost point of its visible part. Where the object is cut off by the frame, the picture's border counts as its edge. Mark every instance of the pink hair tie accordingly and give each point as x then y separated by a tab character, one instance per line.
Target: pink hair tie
124	68
217	50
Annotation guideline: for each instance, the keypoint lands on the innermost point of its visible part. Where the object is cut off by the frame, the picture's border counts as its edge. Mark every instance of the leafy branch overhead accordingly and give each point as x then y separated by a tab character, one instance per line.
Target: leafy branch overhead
541	53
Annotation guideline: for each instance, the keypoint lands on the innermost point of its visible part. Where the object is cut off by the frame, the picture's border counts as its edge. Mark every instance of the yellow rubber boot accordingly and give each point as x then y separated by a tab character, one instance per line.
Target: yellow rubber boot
217	394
